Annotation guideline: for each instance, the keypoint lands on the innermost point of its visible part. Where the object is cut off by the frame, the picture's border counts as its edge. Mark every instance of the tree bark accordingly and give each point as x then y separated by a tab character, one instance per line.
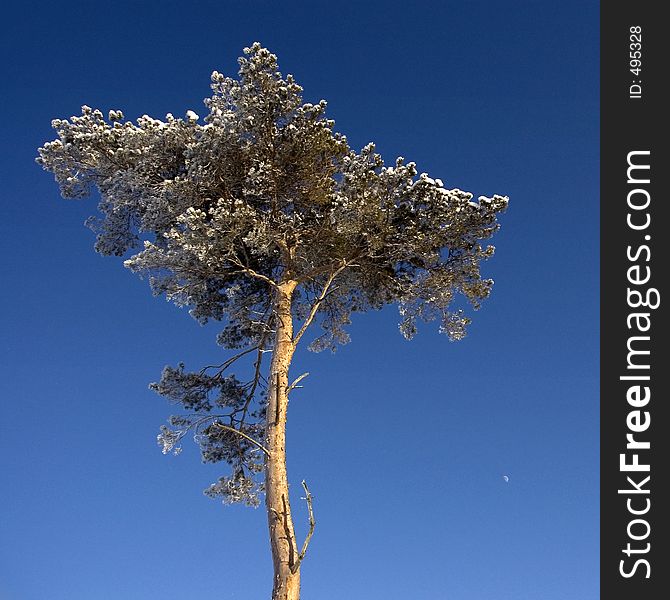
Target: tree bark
285	551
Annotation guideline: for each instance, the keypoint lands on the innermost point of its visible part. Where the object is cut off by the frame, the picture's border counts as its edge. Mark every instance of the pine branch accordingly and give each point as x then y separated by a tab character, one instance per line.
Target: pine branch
318	301
224	365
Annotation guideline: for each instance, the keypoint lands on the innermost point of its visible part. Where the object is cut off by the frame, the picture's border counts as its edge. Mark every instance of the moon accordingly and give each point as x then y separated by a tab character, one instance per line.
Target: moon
505	478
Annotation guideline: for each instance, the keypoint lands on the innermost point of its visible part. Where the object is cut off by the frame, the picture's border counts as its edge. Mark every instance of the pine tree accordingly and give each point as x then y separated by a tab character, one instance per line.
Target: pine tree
264	220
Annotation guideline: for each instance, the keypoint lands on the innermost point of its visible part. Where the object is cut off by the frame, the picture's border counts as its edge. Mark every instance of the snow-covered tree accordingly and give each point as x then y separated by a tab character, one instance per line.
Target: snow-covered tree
262	218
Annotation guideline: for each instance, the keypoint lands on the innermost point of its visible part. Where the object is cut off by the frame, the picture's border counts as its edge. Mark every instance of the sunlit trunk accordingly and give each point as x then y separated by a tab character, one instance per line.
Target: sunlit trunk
286	584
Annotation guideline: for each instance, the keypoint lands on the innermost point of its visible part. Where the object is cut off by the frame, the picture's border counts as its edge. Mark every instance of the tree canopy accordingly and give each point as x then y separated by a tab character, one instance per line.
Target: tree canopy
220	214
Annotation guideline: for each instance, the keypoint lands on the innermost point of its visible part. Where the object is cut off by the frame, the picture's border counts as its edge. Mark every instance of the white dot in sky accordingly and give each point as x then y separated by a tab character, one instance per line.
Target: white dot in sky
505	478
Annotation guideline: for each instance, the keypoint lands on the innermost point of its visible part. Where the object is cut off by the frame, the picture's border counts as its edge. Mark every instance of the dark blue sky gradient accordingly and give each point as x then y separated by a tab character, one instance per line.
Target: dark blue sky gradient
404	444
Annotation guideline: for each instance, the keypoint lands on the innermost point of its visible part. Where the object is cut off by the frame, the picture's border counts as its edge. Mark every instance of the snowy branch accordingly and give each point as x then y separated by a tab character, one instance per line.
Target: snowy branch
253	273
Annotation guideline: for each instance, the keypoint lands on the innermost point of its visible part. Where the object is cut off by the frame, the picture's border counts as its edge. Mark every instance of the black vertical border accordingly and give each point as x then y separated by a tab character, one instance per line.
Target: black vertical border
633	124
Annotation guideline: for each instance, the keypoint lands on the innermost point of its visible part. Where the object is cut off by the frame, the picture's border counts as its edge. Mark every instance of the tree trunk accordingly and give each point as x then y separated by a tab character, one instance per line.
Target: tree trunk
282	534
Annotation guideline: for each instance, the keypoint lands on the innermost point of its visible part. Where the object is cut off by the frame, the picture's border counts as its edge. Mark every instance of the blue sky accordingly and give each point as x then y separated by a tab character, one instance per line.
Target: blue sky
404	444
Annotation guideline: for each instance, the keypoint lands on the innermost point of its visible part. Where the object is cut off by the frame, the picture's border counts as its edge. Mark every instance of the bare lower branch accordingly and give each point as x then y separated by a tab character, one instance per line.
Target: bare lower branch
312	524
296	382
245	436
